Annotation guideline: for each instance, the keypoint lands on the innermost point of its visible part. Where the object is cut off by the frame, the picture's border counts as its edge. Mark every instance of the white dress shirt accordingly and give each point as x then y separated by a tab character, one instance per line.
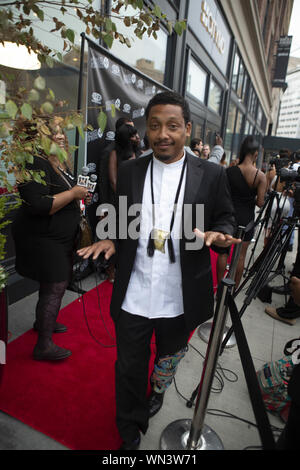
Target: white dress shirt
155	286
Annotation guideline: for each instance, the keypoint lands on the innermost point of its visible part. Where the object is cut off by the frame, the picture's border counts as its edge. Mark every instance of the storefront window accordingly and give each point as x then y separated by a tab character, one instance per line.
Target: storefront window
237	133
252	102
230	126
215	97
52	39
259	116
147	55
196	81
198	131
240	81
235	71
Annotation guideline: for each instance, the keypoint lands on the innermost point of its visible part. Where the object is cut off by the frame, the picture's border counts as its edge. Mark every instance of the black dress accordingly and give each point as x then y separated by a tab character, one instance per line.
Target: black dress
45	243
243	198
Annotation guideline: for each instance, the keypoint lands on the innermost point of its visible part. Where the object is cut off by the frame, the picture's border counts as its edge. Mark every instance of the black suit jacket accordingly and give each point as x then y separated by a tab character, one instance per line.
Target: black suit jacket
206	184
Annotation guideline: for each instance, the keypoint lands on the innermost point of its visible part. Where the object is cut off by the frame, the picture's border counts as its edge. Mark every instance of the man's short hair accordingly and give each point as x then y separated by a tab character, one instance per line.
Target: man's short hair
121	121
170	97
195	142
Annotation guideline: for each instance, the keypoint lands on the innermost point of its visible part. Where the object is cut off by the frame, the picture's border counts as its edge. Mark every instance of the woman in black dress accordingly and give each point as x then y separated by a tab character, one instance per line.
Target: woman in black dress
248	188
45	230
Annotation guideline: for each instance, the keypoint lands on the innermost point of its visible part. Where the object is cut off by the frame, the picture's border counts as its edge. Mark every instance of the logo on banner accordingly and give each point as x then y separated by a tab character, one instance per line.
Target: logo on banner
138	113
126	108
96	98
99	63
92	167
110	135
140	84
115	69
150	90
94	135
130	78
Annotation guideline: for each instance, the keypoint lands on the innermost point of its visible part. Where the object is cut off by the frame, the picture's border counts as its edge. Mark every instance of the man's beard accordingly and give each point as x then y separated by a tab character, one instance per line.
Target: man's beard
163	158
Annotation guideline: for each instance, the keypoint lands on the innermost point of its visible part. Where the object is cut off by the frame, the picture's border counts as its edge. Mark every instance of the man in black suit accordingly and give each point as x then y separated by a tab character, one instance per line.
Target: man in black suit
163	282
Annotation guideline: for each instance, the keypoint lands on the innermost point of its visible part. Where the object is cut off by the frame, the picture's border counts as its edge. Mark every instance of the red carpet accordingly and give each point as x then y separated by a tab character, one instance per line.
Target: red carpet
72	401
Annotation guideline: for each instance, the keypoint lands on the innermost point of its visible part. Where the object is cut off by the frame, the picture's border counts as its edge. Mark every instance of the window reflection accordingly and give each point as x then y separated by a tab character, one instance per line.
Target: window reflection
240	81
43	30
147	55
235	71
230	126
215	97
237	134
196	81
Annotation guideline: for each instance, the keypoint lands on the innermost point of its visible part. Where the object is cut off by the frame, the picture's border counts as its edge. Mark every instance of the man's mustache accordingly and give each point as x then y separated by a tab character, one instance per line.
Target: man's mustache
164	142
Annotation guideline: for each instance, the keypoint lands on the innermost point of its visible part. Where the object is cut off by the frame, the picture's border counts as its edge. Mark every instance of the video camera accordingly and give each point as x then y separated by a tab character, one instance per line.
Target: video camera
289	176
279	163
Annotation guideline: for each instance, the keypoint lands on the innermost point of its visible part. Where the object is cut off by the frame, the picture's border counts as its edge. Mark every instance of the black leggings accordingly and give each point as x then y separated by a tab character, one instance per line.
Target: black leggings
48	305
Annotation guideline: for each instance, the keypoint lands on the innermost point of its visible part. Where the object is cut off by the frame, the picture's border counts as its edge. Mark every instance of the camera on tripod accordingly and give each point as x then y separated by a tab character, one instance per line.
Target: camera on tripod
279	162
289	176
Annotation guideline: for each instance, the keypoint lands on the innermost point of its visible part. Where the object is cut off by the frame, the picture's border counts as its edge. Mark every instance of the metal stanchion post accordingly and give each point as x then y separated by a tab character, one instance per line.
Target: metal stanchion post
193	434
205	329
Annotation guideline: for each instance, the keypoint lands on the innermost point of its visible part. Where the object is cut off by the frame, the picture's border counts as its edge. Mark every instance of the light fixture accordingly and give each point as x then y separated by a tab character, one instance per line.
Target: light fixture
18	57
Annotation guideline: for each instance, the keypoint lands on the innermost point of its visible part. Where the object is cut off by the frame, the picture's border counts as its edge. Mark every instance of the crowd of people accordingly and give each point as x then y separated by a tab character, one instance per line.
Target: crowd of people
158	277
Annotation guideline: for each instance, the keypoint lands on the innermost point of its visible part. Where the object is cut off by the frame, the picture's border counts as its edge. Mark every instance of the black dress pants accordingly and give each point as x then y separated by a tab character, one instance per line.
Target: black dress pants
133	335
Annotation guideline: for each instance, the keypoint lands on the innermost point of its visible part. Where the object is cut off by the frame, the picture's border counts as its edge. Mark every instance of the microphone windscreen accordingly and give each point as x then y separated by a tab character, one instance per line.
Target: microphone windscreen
93	178
85	170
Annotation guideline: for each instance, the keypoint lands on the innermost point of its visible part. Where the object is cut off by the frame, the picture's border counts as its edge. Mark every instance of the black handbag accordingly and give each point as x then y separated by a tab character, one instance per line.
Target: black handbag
85	233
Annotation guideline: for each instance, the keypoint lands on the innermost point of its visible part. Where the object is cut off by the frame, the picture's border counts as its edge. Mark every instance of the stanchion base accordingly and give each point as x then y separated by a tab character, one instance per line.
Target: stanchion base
204	333
175	437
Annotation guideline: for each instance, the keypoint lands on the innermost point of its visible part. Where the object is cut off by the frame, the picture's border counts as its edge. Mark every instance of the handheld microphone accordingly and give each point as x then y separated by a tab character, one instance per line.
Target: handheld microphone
92	183
83	179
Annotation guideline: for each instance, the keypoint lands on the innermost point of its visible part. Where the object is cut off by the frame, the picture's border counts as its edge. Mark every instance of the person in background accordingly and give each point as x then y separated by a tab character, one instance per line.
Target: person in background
45	231
196	146
234	162
126	142
217	150
205	152
223	160
248	188
104	187
290	437
290	312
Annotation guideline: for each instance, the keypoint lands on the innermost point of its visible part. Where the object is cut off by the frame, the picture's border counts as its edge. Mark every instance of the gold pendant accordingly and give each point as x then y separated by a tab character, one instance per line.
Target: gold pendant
160	237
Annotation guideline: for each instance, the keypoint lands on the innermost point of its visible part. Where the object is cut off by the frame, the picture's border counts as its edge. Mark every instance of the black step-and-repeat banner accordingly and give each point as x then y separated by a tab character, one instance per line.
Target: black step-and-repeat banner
121	91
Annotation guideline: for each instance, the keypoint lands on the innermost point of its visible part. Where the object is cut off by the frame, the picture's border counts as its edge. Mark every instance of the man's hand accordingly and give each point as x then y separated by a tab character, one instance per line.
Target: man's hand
295	288
104	246
217	238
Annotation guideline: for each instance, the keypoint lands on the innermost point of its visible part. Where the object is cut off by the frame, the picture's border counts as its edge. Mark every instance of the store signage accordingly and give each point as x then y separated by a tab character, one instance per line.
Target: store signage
208	25
282	61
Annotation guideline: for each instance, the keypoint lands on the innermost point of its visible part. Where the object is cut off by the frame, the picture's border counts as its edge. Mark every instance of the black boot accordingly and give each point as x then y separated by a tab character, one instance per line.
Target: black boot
58	327
50	296
155	402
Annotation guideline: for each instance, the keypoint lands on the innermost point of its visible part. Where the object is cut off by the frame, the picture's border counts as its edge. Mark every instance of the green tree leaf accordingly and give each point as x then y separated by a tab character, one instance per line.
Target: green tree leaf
26	111
33	95
108	39
11	108
39	83
102	120
70	34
